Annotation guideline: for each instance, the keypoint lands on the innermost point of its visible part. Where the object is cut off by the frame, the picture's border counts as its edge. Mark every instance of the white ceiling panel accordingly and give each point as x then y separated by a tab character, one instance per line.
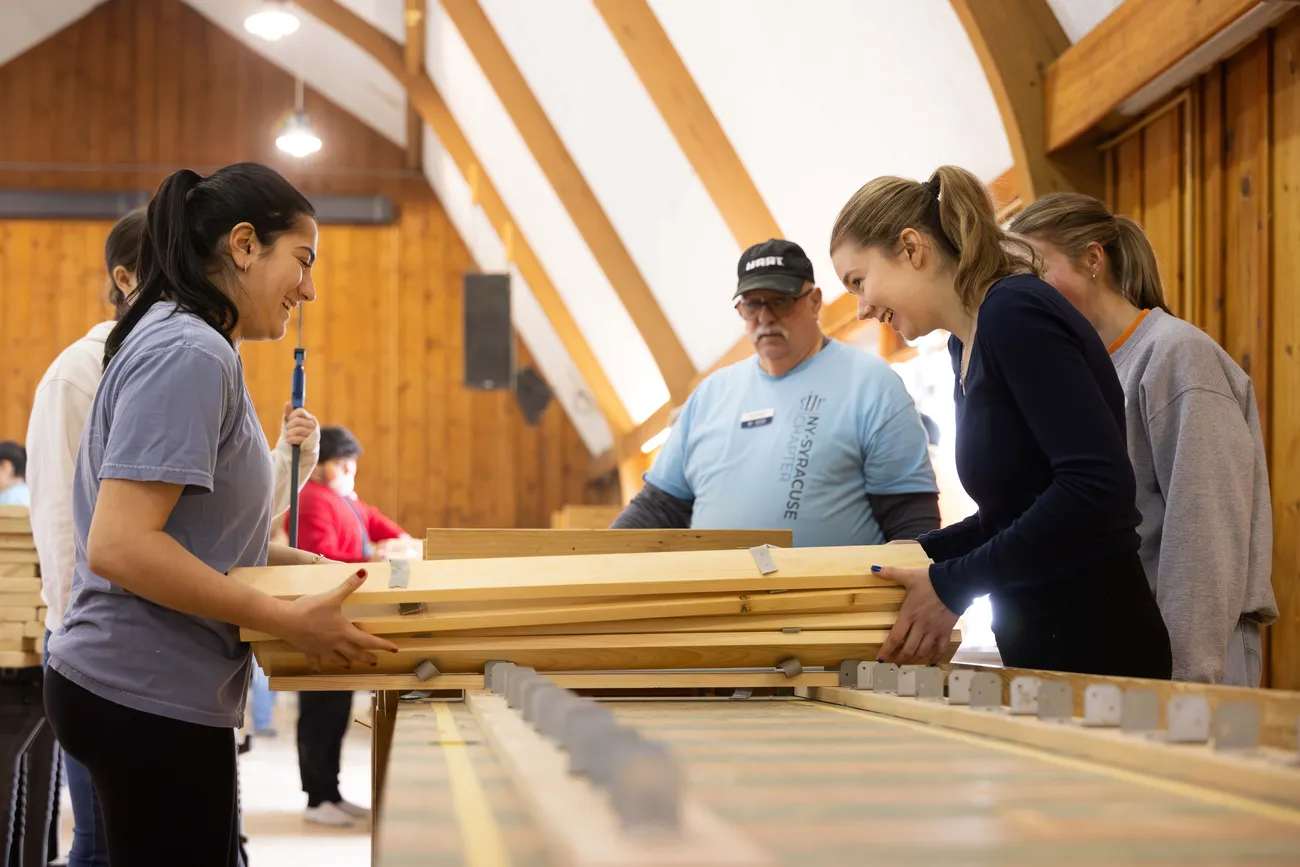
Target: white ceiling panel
629	157
542	219
24	23
327	62
819	98
567	384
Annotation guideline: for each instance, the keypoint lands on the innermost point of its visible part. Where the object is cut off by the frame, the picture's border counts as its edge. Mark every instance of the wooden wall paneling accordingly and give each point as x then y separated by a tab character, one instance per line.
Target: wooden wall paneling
461	435
1246	238
1128	178
1161	177
1283	650
1210	192
420	426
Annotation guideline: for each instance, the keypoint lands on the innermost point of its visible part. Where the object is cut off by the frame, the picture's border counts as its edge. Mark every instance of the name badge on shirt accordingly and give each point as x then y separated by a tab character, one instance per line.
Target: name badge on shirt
757	418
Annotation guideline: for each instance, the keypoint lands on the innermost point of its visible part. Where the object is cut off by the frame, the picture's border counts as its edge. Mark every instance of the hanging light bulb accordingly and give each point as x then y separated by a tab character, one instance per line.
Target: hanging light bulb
297	137
273	21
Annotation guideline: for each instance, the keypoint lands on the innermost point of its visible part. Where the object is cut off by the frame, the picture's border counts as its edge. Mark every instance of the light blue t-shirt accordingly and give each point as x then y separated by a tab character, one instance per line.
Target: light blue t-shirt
172	407
801	451
17	494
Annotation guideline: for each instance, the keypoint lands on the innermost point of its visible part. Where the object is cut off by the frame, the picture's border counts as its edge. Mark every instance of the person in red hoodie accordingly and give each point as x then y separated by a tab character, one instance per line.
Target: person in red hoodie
333	521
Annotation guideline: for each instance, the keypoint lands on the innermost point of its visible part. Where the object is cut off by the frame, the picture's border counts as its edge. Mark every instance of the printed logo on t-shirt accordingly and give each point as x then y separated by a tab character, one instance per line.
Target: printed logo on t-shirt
757	418
798	452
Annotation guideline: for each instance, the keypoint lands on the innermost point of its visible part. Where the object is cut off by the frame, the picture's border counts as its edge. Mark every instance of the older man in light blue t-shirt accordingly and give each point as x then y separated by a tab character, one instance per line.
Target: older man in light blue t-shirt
809	434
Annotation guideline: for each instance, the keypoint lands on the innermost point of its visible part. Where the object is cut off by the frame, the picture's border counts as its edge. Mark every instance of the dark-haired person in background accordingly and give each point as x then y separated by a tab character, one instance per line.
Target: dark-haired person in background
810	434
59	411
1040	437
1194	438
333	520
147	677
13	475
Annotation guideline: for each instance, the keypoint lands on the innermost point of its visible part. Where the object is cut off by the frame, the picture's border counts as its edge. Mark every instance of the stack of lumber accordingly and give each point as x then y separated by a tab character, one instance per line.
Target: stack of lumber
22	613
606	601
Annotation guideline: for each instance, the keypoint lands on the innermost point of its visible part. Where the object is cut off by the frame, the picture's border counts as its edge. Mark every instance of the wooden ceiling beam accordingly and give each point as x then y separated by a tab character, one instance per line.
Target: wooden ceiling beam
687	114
433	110
416	27
1016	41
573	191
1137	45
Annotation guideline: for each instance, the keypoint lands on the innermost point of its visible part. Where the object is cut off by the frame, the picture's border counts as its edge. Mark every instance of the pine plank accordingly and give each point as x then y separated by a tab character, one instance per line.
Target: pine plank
17	541
384	619
1264	777
578	820
19	585
19	555
599	574
18	615
568	680
18	570
18	600
468	543
603	652
14	524
733	623
19	659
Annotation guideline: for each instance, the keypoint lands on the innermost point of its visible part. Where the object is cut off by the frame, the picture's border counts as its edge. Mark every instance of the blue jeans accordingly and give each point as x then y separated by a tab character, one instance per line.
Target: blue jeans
263	699
89	843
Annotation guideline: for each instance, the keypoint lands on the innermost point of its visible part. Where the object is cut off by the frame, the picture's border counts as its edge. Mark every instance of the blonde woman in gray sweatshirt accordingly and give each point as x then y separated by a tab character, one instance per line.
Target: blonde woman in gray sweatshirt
1193	436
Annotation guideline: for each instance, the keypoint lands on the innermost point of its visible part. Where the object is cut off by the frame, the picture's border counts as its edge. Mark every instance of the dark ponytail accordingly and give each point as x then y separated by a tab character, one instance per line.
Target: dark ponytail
184	241
122	247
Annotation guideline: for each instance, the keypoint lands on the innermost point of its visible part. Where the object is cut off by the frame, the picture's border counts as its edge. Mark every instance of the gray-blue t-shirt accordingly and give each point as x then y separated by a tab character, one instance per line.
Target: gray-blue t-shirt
172	407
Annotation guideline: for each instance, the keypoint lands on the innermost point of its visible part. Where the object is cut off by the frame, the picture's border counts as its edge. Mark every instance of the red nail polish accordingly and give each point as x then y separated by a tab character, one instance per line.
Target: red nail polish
361	573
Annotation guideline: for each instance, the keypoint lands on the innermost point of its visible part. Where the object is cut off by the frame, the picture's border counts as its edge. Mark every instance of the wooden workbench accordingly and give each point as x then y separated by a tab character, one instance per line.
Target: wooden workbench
816	783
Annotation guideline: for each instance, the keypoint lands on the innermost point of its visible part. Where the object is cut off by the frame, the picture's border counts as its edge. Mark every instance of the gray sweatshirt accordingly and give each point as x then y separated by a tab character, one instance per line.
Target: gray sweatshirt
1202	488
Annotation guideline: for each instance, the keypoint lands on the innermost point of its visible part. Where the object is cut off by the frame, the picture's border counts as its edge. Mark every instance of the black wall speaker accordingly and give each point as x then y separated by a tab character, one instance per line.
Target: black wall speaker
533	394
489	334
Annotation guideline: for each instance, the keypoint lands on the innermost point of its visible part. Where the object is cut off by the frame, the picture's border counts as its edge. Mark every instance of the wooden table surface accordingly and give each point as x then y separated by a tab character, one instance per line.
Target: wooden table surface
824	785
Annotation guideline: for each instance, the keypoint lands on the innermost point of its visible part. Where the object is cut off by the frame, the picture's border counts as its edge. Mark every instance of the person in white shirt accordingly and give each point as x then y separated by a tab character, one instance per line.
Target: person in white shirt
62	404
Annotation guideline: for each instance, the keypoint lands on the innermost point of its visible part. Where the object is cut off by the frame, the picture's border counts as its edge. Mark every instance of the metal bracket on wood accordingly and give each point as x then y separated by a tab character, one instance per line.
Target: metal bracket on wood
426	670
399	573
1140	711
929	682
494	675
986	691
1236	725
884	677
849	673
959	686
1101	705
763	559
790	667
741	694
407	608
864	675
1187	719
907	679
1024	695
1055	701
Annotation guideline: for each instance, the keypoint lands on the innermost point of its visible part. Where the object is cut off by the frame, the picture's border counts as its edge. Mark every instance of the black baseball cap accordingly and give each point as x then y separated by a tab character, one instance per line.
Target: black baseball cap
781	266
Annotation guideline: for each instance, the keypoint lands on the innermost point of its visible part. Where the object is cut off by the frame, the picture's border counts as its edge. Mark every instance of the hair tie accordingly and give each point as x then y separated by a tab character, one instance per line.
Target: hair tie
932	186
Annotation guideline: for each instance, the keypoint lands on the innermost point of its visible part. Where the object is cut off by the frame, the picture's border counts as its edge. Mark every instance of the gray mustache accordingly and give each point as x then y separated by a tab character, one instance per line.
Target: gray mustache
769	331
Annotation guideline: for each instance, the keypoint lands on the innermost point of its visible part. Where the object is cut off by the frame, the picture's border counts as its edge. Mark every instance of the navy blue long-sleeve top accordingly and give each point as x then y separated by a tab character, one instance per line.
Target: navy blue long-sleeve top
1041	450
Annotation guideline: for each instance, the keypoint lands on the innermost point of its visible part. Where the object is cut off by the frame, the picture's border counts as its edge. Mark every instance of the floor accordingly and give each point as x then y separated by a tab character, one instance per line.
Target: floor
273	800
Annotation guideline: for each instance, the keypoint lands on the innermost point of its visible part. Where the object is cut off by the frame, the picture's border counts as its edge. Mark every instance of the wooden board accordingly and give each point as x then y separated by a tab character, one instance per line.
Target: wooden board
384	619
1279	710
18	570
577	818
19	555
19	585
733	623
19	659
598	574
569	680
601	652
474	544
15	512
12	525
19	615
1266	777
19	600
16	542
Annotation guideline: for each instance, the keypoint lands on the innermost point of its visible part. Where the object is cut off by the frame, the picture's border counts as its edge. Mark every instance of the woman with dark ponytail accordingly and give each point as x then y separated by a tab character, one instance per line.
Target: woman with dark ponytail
1040	437
147	676
1193	436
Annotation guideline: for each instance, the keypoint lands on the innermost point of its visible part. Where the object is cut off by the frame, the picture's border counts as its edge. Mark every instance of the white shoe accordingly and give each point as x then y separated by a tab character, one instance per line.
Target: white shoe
327	813
353	810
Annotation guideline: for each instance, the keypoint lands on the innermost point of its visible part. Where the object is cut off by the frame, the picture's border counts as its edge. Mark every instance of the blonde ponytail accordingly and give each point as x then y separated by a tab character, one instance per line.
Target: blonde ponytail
1073	221
955	209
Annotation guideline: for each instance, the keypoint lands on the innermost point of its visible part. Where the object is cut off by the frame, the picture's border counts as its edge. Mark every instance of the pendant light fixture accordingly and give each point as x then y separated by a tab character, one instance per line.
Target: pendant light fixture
297	137
272	21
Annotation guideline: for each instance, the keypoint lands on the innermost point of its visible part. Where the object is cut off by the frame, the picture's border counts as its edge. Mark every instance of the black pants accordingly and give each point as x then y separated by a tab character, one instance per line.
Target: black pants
1109	624
166	788
323	719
